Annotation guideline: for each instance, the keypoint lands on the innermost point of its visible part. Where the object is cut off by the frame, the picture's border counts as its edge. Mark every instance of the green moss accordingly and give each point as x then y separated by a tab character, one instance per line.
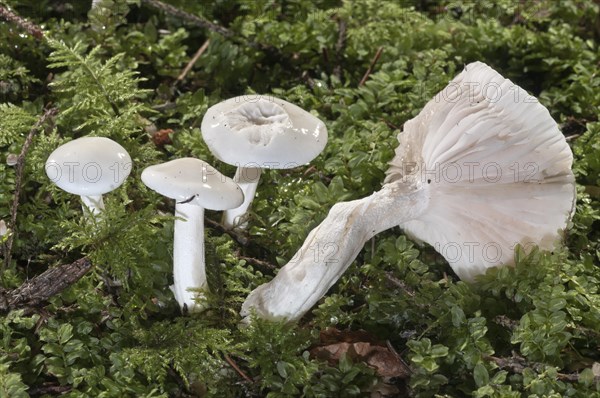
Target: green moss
531	330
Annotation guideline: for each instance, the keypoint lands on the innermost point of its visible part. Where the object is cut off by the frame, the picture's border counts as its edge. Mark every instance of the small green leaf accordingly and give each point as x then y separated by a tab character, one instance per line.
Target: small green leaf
439	351
281	369
500	377
65	332
481	375
430	365
458	316
586	377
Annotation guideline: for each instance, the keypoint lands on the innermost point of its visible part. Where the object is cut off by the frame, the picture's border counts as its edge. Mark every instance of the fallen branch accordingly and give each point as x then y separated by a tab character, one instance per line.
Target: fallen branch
19	170
21	22
40	288
370	70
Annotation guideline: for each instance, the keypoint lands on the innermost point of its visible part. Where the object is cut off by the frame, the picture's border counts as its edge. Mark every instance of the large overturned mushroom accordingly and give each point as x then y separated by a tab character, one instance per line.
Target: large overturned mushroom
482	168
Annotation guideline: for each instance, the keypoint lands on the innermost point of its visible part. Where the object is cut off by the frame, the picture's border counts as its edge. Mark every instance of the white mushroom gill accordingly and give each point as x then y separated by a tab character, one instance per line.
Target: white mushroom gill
255	133
482	168
259	120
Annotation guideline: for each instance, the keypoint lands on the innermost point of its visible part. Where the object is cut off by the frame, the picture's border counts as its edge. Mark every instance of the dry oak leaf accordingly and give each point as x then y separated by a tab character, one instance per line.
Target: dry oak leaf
359	346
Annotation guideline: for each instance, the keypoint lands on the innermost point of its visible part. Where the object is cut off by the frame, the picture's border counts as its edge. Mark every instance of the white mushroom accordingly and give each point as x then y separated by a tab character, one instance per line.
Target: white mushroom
481	169
256	132
89	167
195	185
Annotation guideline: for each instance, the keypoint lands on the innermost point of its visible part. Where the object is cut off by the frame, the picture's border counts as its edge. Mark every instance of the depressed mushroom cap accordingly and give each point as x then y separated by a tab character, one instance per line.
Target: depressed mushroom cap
263	131
89	166
190	180
496	168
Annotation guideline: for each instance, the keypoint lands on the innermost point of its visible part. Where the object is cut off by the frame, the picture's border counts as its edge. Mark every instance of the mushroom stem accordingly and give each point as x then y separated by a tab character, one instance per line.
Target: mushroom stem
247	178
92	203
330	248
188	255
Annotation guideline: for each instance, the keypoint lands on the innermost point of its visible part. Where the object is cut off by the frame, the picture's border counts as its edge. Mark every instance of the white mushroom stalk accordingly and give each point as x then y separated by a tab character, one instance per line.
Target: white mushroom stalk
256	132
195	185
89	167
247	178
481	169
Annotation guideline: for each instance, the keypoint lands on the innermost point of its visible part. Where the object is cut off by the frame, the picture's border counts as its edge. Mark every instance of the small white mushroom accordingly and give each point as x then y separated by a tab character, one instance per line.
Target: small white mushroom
256	132
89	167
482	168
195	185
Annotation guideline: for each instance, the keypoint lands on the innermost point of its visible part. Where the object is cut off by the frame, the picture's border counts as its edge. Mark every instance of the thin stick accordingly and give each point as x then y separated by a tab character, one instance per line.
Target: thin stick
21	22
202	23
47	388
238	237
192	62
370	70
19	169
518	364
237	369
257	262
339	48
169	9
400	284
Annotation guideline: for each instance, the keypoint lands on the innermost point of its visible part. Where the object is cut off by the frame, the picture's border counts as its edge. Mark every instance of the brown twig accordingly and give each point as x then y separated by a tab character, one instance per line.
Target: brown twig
192	62
237	368
390	124
518	364
239	237
45	389
399	283
191	18
21	22
268	49
257	262
204	24
19	170
339	48
40	288
370	70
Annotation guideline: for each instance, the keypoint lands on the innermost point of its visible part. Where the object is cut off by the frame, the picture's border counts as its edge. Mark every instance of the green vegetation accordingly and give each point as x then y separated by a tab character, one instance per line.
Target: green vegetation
531	331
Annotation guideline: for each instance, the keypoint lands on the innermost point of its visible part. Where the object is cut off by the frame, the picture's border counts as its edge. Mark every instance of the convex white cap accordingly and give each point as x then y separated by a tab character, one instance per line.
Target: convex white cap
193	181
89	166
263	131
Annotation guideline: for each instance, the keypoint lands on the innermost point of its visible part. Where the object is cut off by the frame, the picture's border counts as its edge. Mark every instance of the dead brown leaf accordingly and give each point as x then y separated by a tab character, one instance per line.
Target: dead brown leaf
360	346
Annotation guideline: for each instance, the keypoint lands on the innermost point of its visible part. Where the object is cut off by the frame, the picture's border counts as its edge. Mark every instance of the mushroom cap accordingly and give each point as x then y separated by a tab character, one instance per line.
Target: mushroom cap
89	166
265	132
190	180
496	168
